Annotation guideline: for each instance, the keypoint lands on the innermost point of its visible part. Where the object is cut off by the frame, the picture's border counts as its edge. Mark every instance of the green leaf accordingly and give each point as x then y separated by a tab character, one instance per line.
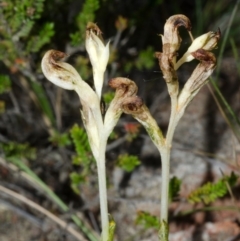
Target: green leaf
5	83
147	220
108	97
76	180
60	140
145	59
128	162
174	188
111	229
12	149
86	15
82	147
43	37
211	191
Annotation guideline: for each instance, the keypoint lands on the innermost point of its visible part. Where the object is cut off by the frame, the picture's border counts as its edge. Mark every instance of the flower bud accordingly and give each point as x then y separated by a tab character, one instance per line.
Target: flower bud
207	41
124	88
199	76
134	106
98	54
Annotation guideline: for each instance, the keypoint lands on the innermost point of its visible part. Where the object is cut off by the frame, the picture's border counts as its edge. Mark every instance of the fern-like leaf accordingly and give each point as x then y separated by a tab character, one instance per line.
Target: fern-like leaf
211	191
44	36
174	188
82	146
147	220
128	162
16	150
86	15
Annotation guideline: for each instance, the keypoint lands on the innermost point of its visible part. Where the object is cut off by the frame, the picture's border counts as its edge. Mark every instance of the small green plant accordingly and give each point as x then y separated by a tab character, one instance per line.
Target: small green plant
147	220
82	147
128	162
83	157
12	149
86	15
5	83
211	191
60	139
174	188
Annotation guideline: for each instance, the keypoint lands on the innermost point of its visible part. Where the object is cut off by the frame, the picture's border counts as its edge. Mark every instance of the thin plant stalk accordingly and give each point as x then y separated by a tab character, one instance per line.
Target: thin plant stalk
165	153
102	185
200	50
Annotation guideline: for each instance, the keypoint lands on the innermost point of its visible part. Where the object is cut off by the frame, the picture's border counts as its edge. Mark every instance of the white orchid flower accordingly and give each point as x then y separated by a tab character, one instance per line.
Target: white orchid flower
207	41
98	54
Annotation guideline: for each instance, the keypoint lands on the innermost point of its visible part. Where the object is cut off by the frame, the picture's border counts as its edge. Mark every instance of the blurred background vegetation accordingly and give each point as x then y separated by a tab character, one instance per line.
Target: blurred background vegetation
29	28
37	118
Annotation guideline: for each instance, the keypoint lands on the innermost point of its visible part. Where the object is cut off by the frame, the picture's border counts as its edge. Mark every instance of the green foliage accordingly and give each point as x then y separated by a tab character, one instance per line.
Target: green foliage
147	220
86	15
108	96
76	180
174	188
18	21
60	140
112	227
128	162
19	15
82	147
17	150
82	158
113	136
211	191
21	35
43	37
145	59
5	83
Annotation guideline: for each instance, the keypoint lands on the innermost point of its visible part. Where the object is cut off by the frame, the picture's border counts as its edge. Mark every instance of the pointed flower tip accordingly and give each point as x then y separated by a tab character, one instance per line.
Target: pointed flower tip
207	41
98	52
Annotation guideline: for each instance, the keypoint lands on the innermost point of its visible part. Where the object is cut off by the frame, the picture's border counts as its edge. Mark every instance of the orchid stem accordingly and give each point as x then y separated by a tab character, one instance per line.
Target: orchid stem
101	167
